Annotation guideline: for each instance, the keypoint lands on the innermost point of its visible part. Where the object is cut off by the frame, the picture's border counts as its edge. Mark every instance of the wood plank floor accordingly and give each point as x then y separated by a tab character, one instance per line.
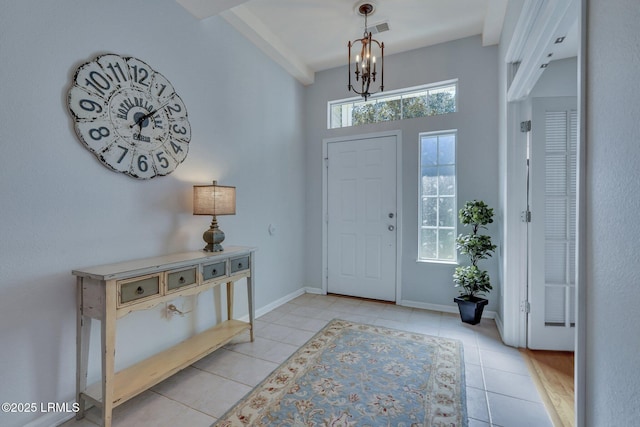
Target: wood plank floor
553	371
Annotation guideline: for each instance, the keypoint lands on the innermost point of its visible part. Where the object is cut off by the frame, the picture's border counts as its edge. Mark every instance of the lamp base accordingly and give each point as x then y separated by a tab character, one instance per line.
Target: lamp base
213	237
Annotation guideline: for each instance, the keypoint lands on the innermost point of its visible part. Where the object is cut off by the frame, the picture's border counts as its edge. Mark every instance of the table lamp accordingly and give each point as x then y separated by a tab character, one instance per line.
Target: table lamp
214	200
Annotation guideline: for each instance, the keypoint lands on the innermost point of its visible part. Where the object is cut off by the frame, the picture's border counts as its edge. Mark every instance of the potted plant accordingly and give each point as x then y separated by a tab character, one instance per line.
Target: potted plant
472	281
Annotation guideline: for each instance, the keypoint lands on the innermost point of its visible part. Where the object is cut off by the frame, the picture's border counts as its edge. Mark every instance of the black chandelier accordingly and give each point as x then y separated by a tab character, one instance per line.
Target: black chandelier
365	61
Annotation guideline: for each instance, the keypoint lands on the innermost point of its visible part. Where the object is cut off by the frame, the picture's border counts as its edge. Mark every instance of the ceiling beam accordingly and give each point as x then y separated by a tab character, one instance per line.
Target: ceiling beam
205	8
248	24
540	23
493	21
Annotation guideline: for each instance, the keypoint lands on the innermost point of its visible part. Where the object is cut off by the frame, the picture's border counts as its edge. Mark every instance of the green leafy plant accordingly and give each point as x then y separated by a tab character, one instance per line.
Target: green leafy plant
470	279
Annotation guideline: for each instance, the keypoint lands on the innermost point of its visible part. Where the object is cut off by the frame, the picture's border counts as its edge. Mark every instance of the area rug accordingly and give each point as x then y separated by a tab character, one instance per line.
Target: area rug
351	374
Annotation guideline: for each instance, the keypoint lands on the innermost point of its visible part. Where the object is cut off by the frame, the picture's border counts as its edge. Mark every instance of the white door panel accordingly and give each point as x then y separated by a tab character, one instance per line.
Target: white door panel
361	206
553	224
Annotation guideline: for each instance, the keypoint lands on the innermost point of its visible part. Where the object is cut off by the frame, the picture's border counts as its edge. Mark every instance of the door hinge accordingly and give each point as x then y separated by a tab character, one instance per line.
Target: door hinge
525	307
525	216
525	126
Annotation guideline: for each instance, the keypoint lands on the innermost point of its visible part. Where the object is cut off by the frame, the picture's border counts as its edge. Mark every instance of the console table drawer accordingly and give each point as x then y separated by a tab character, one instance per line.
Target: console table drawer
212	271
134	290
180	279
239	264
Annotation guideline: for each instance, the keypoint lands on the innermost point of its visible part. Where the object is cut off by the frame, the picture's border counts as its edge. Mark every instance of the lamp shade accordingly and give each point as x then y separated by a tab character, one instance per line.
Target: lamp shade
214	200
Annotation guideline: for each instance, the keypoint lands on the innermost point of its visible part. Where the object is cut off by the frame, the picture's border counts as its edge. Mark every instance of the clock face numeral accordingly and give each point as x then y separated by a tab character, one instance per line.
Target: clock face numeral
96	135
178	149
141	74
116	69
175	109
94	80
180	130
179	127
143	165
161	88
164	162
85	105
129	116
118	156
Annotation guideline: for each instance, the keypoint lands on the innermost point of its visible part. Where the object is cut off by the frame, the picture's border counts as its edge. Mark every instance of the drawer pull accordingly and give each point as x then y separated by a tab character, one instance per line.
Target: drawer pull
214	271
181	279
139	291
239	265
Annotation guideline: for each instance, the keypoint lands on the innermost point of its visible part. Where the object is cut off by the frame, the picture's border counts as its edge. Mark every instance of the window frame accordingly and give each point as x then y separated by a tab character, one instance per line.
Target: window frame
453	132
390	95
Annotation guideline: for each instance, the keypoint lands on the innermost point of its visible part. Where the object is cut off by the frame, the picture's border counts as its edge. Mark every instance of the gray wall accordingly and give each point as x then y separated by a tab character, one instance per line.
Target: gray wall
612	341
475	67
62	209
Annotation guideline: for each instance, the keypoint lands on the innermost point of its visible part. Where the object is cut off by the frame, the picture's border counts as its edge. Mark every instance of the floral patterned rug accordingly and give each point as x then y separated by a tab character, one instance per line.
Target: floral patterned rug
350	374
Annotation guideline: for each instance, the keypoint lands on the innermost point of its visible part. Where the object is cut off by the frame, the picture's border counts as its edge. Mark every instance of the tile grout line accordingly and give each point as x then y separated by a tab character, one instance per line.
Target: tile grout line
184	404
484	383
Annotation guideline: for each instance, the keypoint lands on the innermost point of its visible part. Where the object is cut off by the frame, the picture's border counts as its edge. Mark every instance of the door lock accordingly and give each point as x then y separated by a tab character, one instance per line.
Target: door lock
391	228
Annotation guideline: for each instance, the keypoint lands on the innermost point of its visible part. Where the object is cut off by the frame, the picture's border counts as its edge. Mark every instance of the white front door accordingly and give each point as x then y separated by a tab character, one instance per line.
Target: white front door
552	241
362	217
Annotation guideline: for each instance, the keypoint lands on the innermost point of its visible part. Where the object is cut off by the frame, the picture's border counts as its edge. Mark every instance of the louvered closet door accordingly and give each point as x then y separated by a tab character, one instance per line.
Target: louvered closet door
553	224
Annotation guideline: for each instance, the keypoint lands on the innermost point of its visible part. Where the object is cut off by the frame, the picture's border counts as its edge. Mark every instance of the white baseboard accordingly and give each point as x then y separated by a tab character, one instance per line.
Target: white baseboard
277	303
487	314
500	326
53	419
285	299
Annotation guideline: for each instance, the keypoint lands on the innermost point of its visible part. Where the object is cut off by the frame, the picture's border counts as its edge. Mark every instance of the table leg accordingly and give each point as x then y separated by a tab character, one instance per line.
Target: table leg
229	300
108	354
251	296
83	334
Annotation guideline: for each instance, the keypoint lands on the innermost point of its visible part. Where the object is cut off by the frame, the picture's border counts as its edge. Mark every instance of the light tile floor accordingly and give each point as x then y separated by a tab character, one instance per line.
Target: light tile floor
500	391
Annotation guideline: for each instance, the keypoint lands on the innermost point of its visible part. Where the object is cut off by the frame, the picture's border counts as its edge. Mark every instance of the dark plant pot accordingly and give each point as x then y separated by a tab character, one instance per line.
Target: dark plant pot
471	308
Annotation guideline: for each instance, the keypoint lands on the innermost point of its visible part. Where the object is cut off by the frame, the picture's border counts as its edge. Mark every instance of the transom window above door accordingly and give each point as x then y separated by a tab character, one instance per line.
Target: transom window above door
419	101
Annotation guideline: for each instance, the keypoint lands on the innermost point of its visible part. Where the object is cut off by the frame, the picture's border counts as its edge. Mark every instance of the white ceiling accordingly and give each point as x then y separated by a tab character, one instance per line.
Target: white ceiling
306	36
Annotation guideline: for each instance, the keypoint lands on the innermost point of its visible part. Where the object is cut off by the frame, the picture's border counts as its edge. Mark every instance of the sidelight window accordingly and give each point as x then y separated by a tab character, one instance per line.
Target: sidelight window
437	199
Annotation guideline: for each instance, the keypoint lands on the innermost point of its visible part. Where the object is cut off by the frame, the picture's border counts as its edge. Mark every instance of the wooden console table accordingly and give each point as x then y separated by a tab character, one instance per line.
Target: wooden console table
109	292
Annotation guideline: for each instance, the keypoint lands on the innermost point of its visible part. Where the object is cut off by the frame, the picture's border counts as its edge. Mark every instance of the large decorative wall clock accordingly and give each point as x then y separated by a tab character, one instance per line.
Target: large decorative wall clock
129	116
